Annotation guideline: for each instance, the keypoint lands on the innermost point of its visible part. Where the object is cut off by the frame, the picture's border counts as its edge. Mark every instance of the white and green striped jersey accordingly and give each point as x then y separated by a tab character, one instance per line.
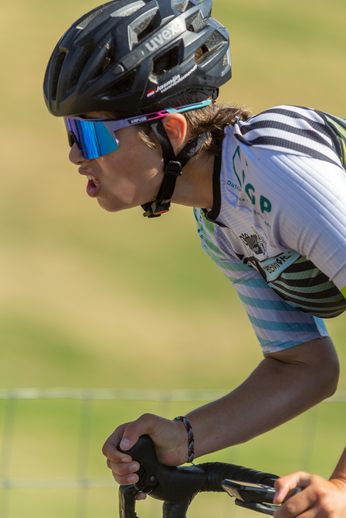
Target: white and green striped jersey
277	228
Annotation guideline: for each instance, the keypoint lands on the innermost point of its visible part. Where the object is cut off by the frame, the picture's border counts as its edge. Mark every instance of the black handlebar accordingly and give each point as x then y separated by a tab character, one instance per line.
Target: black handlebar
177	486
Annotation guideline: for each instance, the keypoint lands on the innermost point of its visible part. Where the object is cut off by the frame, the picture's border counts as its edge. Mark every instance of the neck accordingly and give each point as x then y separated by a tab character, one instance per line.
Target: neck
195	187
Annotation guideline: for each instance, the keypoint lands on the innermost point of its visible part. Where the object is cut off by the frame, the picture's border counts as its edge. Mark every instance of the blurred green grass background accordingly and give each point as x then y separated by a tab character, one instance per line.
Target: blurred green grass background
92	299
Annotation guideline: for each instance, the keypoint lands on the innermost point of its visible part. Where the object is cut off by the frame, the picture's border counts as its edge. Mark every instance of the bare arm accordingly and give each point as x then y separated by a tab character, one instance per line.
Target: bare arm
282	386
320	498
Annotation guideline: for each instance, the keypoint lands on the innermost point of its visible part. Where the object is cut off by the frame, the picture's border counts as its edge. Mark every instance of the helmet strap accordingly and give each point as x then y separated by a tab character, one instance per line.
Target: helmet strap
173	167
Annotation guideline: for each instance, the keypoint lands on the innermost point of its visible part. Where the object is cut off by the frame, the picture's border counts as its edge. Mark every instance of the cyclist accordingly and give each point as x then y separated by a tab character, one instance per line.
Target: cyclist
137	82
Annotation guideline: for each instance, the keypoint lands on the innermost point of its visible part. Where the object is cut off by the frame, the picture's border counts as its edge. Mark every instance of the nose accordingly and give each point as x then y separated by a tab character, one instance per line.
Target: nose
75	155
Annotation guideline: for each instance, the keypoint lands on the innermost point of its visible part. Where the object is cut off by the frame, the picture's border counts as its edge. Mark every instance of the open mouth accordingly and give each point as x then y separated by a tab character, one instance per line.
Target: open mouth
93	186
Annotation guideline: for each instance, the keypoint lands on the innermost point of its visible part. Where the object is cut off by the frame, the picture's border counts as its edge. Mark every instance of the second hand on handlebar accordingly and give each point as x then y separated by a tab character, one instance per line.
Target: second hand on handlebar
257	497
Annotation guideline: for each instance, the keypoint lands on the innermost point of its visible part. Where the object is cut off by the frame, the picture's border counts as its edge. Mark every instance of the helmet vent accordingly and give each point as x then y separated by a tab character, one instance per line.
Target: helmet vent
143	26
59	61
211	46
165	62
84	23
105	61
127	10
195	23
200	53
117	88
214	40
180	5
86	50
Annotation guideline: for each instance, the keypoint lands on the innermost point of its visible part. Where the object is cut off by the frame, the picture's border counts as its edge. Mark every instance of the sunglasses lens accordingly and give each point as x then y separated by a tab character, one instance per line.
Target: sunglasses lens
92	138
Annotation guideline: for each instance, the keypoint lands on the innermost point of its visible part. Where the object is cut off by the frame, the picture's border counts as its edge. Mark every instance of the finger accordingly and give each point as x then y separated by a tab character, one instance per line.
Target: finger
126	480
110	449
300	505
141	496
284	484
111	452
123	469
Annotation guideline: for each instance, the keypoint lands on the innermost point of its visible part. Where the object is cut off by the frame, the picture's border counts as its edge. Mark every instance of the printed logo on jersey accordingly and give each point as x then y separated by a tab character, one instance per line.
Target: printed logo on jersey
274	266
248	195
239	168
255	242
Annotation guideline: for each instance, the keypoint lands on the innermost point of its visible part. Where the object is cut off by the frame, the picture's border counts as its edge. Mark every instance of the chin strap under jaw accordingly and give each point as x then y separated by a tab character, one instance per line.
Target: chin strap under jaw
154	209
173	168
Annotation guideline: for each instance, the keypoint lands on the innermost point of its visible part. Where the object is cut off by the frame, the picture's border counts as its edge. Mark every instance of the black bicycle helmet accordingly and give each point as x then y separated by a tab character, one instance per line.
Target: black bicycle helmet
128	55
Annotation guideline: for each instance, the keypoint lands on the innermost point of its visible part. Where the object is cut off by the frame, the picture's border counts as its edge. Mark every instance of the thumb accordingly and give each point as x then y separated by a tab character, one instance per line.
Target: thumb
133	431
125	444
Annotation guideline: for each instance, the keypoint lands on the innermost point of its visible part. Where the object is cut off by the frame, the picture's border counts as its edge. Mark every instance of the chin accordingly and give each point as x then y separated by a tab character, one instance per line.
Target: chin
109	207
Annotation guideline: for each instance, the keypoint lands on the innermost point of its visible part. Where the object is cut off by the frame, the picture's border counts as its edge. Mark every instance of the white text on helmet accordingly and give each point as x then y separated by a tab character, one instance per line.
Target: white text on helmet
165	35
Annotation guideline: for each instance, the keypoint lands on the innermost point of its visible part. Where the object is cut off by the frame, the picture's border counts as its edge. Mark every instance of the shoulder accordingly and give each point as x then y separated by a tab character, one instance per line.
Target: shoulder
291	129
286	112
290	119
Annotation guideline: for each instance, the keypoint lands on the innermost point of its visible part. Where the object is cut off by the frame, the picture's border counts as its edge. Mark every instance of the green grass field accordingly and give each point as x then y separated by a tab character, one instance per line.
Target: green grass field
92	299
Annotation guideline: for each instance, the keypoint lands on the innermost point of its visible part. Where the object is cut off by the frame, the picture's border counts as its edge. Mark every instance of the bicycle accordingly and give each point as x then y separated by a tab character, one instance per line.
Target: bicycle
177	486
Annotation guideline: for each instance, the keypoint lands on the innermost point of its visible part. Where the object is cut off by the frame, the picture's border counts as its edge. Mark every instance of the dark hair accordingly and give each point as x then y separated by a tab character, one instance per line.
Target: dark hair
212	119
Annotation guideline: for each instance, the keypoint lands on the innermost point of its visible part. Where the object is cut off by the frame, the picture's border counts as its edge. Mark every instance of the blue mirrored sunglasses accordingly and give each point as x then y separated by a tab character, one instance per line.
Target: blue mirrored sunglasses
97	137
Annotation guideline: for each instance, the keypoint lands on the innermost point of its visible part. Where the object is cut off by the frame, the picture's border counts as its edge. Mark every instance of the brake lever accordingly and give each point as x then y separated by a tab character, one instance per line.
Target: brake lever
266	508
144	453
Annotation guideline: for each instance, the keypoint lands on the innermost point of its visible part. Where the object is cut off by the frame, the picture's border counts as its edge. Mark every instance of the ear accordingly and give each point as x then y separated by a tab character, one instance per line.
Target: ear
176	129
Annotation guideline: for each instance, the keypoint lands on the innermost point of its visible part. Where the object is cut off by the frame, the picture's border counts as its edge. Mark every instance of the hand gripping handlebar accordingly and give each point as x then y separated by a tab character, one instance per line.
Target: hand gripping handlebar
177	486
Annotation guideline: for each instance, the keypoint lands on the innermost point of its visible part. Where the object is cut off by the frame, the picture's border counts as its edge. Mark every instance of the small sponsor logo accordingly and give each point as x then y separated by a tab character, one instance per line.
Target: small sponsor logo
277	264
174	81
255	242
171	83
138	120
167	34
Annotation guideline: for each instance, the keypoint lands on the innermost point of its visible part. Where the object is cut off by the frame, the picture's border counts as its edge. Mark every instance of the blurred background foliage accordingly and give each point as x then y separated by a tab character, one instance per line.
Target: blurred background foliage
93	299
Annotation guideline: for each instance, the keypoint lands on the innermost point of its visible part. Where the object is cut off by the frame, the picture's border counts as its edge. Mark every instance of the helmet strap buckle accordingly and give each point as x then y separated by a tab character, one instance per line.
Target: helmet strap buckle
174	168
154	209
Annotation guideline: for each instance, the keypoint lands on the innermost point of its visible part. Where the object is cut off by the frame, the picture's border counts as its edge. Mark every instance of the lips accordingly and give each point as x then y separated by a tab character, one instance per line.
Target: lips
93	189
94	184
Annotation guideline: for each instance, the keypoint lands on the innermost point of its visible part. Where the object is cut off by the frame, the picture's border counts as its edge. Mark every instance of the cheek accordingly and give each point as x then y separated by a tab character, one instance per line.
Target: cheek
132	174
136	162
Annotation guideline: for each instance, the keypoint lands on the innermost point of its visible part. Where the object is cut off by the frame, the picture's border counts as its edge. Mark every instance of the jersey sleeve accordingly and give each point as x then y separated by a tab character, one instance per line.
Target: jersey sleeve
276	324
